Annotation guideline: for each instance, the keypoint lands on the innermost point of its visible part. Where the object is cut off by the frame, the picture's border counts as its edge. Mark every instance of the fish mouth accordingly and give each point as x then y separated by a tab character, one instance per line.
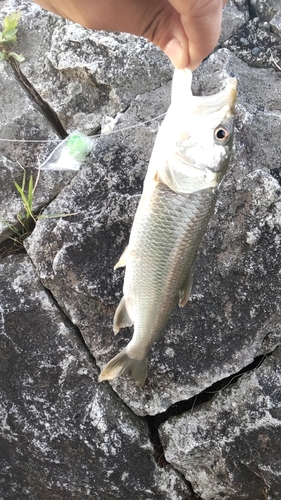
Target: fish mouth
225	98
183	98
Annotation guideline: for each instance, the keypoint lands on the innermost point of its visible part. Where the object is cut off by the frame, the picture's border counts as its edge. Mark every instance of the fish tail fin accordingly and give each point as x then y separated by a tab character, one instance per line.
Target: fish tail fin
122	363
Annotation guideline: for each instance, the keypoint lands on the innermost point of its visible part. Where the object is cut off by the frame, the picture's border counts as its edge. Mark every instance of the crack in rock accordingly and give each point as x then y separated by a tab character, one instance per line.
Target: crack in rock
152	421
158	454
44	107
230	446
184	406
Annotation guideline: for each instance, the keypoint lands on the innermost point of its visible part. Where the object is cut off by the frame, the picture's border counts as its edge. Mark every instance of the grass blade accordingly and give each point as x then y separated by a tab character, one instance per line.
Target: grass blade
30	194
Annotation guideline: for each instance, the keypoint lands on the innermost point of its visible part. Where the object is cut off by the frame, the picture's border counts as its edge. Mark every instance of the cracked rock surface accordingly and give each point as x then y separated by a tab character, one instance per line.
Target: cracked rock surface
77	71
224	325
62	434
20	119
230	447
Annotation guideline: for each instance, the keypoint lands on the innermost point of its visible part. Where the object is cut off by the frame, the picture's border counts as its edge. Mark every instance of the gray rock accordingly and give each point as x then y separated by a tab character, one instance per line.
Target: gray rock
233	18
105	193
62	434
265	9
84	74
230	447
225	323
275	24
21	120
244	41
256	51
255	40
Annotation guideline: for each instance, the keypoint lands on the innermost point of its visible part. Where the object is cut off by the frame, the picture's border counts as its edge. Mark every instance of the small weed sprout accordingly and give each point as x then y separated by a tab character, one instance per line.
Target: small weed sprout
27	221
8	38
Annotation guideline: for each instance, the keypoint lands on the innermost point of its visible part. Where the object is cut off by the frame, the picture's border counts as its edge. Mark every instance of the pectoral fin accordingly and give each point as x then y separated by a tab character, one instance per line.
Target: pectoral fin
121	317
184	292
122	261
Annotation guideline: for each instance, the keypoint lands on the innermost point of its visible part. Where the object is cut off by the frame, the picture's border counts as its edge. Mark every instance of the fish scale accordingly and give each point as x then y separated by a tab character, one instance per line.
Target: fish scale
173	228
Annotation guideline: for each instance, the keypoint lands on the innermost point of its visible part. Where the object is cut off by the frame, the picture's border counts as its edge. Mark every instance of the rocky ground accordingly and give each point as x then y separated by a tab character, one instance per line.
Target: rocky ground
207	424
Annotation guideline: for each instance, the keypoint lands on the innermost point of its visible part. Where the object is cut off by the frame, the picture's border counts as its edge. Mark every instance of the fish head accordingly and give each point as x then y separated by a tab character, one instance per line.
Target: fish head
197	136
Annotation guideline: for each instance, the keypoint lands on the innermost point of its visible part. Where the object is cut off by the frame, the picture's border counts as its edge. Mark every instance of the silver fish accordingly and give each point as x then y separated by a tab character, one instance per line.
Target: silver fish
190	157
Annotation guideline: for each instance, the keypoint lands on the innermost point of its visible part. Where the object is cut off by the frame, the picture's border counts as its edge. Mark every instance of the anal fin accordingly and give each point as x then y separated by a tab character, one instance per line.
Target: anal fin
184	292
121	317
122	261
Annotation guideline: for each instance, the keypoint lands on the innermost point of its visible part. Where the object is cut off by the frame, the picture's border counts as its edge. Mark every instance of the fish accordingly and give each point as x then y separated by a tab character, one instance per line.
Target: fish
190	157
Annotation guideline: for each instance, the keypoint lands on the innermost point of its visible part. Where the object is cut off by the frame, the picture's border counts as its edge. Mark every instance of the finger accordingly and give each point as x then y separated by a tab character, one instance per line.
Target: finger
201	25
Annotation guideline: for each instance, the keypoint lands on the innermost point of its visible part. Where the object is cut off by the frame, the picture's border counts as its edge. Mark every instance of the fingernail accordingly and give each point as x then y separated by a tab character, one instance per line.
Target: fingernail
174	50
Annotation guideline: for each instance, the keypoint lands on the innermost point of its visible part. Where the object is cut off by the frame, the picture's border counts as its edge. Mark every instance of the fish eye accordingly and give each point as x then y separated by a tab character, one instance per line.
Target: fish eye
221	135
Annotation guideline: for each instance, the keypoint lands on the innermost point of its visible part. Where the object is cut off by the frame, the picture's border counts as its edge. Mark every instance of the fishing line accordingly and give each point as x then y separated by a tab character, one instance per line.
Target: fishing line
237	375
130	127
92	137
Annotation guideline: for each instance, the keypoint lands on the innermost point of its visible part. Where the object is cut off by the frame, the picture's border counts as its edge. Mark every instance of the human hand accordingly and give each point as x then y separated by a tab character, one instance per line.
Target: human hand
186	30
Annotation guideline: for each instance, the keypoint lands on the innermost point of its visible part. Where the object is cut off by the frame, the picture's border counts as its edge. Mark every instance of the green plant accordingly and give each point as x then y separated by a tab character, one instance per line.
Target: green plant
26	221
8	37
